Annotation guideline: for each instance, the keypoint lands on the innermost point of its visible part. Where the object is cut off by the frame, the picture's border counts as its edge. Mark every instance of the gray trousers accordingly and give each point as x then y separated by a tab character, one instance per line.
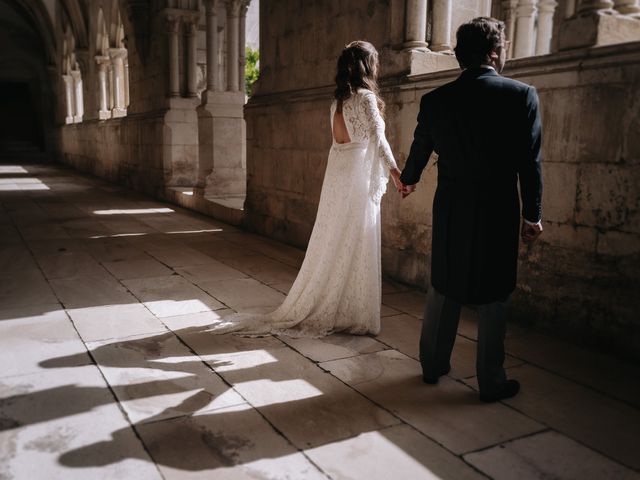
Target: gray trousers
439	329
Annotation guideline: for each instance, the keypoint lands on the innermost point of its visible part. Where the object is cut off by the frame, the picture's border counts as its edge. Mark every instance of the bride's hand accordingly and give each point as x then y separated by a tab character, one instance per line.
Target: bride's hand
395	176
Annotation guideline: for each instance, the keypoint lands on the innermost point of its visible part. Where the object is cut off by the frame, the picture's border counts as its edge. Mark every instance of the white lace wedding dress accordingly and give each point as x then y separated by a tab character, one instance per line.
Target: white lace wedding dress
338	287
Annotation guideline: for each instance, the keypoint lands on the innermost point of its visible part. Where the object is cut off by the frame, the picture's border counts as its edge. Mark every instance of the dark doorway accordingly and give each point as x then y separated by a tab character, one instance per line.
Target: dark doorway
20	123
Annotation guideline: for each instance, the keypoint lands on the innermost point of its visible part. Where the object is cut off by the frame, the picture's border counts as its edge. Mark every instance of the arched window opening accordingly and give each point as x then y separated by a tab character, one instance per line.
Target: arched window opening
72	78
113	68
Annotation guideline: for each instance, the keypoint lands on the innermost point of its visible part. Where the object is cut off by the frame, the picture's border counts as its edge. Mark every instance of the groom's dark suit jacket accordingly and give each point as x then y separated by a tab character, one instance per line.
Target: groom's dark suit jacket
486	131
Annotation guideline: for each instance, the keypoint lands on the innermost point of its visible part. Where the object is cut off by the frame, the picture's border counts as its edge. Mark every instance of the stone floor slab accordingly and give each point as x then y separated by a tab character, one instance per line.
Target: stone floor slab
210	272
395	452
604	424
241	294
57	427
544	456
179	256
411	302
69	264
15	260
334	346
601	372
230	444
310	407
137	268
219	248
449	412
171	295
156	377
91	291
191	320
25	289
114	321
32	338
263	269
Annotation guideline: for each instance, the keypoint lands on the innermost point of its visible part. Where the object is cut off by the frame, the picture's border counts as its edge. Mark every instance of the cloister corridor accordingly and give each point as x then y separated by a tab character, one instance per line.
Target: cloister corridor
108	370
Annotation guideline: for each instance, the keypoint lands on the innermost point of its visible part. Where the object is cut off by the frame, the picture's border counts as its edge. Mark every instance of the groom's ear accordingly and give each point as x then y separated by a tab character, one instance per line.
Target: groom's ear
494	56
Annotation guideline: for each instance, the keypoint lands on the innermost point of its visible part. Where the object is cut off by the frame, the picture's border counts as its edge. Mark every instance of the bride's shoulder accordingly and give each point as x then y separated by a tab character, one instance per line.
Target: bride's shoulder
363	92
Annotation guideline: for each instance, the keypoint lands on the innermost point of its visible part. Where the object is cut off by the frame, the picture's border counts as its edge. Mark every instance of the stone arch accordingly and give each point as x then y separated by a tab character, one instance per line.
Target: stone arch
37	14
71	73
102	35
77	21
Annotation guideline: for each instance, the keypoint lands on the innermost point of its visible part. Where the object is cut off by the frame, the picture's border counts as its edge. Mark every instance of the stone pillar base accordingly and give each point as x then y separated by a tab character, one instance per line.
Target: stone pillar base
416	61
119	112
222	145
180	143
598	29
104	115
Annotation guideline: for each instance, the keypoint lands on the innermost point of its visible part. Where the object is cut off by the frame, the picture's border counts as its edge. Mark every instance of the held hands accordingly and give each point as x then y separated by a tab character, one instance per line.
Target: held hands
404	190
530	232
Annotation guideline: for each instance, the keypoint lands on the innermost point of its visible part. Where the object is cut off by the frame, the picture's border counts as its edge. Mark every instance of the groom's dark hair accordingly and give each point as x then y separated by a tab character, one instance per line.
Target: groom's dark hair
477	39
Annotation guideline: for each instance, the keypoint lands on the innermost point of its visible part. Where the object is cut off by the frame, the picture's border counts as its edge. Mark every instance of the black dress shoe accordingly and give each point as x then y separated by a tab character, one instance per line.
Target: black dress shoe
434	380
510	389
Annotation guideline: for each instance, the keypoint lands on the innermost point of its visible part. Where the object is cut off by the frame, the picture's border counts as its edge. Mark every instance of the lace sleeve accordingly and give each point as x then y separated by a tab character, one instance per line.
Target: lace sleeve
375	124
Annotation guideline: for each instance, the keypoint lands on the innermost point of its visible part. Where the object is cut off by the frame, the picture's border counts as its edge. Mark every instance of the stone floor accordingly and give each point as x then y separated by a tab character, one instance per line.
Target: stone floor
107	369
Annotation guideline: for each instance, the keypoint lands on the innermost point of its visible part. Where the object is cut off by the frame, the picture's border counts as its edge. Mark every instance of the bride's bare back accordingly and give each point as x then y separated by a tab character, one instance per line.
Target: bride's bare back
340	132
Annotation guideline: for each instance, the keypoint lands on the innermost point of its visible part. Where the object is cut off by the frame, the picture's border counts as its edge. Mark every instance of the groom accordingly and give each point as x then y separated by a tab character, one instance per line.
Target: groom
486	131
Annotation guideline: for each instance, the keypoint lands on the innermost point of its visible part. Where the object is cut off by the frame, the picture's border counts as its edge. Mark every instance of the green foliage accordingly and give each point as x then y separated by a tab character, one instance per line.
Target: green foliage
251	69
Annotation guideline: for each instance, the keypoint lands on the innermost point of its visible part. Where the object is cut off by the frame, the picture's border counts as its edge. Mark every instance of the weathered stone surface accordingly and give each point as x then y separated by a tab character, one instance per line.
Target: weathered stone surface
64	428
114	321
568	408
171	295
395	452
233	443
32	338
546	455
156	377
394	381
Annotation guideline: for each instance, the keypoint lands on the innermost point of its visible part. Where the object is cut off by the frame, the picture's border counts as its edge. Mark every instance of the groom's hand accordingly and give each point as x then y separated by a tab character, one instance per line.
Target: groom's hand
530	231
407	190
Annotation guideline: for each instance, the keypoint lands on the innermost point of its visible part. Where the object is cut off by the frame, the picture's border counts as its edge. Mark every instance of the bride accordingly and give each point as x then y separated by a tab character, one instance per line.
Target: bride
338	288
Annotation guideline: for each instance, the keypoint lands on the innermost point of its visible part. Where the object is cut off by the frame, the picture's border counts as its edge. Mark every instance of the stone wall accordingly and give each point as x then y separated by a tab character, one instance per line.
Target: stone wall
127	150
581	279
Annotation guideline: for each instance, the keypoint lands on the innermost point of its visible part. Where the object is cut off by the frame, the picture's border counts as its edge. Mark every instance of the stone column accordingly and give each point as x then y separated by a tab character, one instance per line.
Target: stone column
233	57
509	15
117	56
486	8
211	7
571	8
415	29
78	96
191	24
594	6
68	96
525	28
441	37
628	7
173	27
103	87
547	9
597	23
126	80
242	44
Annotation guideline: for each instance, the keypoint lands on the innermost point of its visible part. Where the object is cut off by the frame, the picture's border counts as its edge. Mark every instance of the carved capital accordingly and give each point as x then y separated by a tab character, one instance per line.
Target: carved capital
117	53
233	7
547	6
172	23
191	24
211	7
